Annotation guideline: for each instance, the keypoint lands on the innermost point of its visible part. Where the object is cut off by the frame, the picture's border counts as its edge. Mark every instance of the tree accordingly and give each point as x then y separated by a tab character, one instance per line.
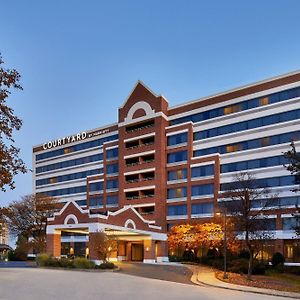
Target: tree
103	244
10	163
193	237
28	218
250	224
294	167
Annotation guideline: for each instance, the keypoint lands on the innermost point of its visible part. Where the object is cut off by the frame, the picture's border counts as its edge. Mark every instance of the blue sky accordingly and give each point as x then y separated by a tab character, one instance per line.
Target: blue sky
80	59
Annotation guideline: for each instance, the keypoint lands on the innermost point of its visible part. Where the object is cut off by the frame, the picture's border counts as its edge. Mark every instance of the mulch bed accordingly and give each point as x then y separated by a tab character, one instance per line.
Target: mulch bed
280	282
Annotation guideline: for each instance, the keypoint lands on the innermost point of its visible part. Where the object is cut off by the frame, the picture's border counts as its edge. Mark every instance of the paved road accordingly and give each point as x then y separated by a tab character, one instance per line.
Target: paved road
34	283
173	273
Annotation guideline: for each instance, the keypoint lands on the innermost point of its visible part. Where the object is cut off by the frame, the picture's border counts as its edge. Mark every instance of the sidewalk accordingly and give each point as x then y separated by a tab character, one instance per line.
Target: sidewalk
203	275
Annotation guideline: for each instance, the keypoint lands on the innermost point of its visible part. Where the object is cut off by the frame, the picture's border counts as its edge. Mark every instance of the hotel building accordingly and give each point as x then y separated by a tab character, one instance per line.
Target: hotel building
161	165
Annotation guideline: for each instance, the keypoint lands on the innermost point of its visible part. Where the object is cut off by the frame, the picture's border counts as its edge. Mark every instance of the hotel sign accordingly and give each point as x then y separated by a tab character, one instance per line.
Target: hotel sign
73	138
65	140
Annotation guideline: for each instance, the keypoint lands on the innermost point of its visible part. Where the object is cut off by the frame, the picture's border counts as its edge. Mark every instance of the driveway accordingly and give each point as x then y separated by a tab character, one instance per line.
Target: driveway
180	274
17	264
35	283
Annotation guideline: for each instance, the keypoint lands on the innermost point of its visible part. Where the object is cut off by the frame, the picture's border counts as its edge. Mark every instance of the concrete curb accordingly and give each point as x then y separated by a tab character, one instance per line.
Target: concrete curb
228	286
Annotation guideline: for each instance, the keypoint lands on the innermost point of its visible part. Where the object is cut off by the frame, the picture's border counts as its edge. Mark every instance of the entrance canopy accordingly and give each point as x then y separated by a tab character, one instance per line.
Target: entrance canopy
125	223
72	230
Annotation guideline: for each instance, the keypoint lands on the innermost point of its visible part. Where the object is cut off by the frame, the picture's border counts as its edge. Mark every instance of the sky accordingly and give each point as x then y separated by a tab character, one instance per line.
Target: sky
79	60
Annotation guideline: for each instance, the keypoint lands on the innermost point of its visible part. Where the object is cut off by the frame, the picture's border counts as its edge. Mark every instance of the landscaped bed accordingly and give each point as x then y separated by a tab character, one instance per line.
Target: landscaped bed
272	280
44	260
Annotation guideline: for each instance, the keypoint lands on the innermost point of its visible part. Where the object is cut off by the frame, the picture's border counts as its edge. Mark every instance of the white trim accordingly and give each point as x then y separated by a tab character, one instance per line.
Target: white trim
135	86
149	261
122	257
139	171
242	98
145	106
111	147
288	215
177	145
71	217
205	163
199	216
169	182
176	132
95	227
139	154
181	124
143	205
130	222
178	217
180	199
139	137
141	188
177	163
144	118
205	156
161	259
96	180
202	178
208	196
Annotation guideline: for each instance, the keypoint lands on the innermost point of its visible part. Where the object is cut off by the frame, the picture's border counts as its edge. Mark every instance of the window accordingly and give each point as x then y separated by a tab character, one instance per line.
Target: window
96	201
203	171
251	144
68	177
81	202
179	138
177	174
264	101
290	223
112	184
177	193
254	123
66	191
112	200
96	186
177	210
202	208
112	153
70	163
248	104
204	189
177	156
112	169
232	109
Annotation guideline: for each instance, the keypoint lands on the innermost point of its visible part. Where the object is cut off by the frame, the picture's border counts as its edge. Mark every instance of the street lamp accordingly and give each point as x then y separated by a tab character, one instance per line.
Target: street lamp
225	276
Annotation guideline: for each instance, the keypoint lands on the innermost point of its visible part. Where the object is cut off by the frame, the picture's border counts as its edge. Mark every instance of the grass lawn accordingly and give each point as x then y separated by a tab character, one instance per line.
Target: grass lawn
272	280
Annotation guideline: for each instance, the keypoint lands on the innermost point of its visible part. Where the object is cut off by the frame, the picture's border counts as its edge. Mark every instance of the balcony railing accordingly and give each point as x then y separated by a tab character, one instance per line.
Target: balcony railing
139	128
140	197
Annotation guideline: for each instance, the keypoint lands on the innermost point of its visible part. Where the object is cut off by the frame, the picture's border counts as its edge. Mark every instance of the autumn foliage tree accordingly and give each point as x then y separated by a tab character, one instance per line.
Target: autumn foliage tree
28	218
197	236
10	163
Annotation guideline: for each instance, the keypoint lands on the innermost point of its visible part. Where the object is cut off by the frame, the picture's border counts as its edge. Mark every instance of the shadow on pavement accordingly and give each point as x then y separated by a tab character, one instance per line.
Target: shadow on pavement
17	264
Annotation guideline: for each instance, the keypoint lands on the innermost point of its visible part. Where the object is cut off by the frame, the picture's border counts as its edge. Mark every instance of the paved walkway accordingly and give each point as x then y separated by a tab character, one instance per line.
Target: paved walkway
206	276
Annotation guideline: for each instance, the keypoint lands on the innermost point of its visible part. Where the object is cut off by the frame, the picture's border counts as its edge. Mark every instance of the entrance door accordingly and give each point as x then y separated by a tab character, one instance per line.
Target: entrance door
137	252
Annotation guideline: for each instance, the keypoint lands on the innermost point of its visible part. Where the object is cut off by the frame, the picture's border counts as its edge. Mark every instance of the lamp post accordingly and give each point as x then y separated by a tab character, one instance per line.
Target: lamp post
225	276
